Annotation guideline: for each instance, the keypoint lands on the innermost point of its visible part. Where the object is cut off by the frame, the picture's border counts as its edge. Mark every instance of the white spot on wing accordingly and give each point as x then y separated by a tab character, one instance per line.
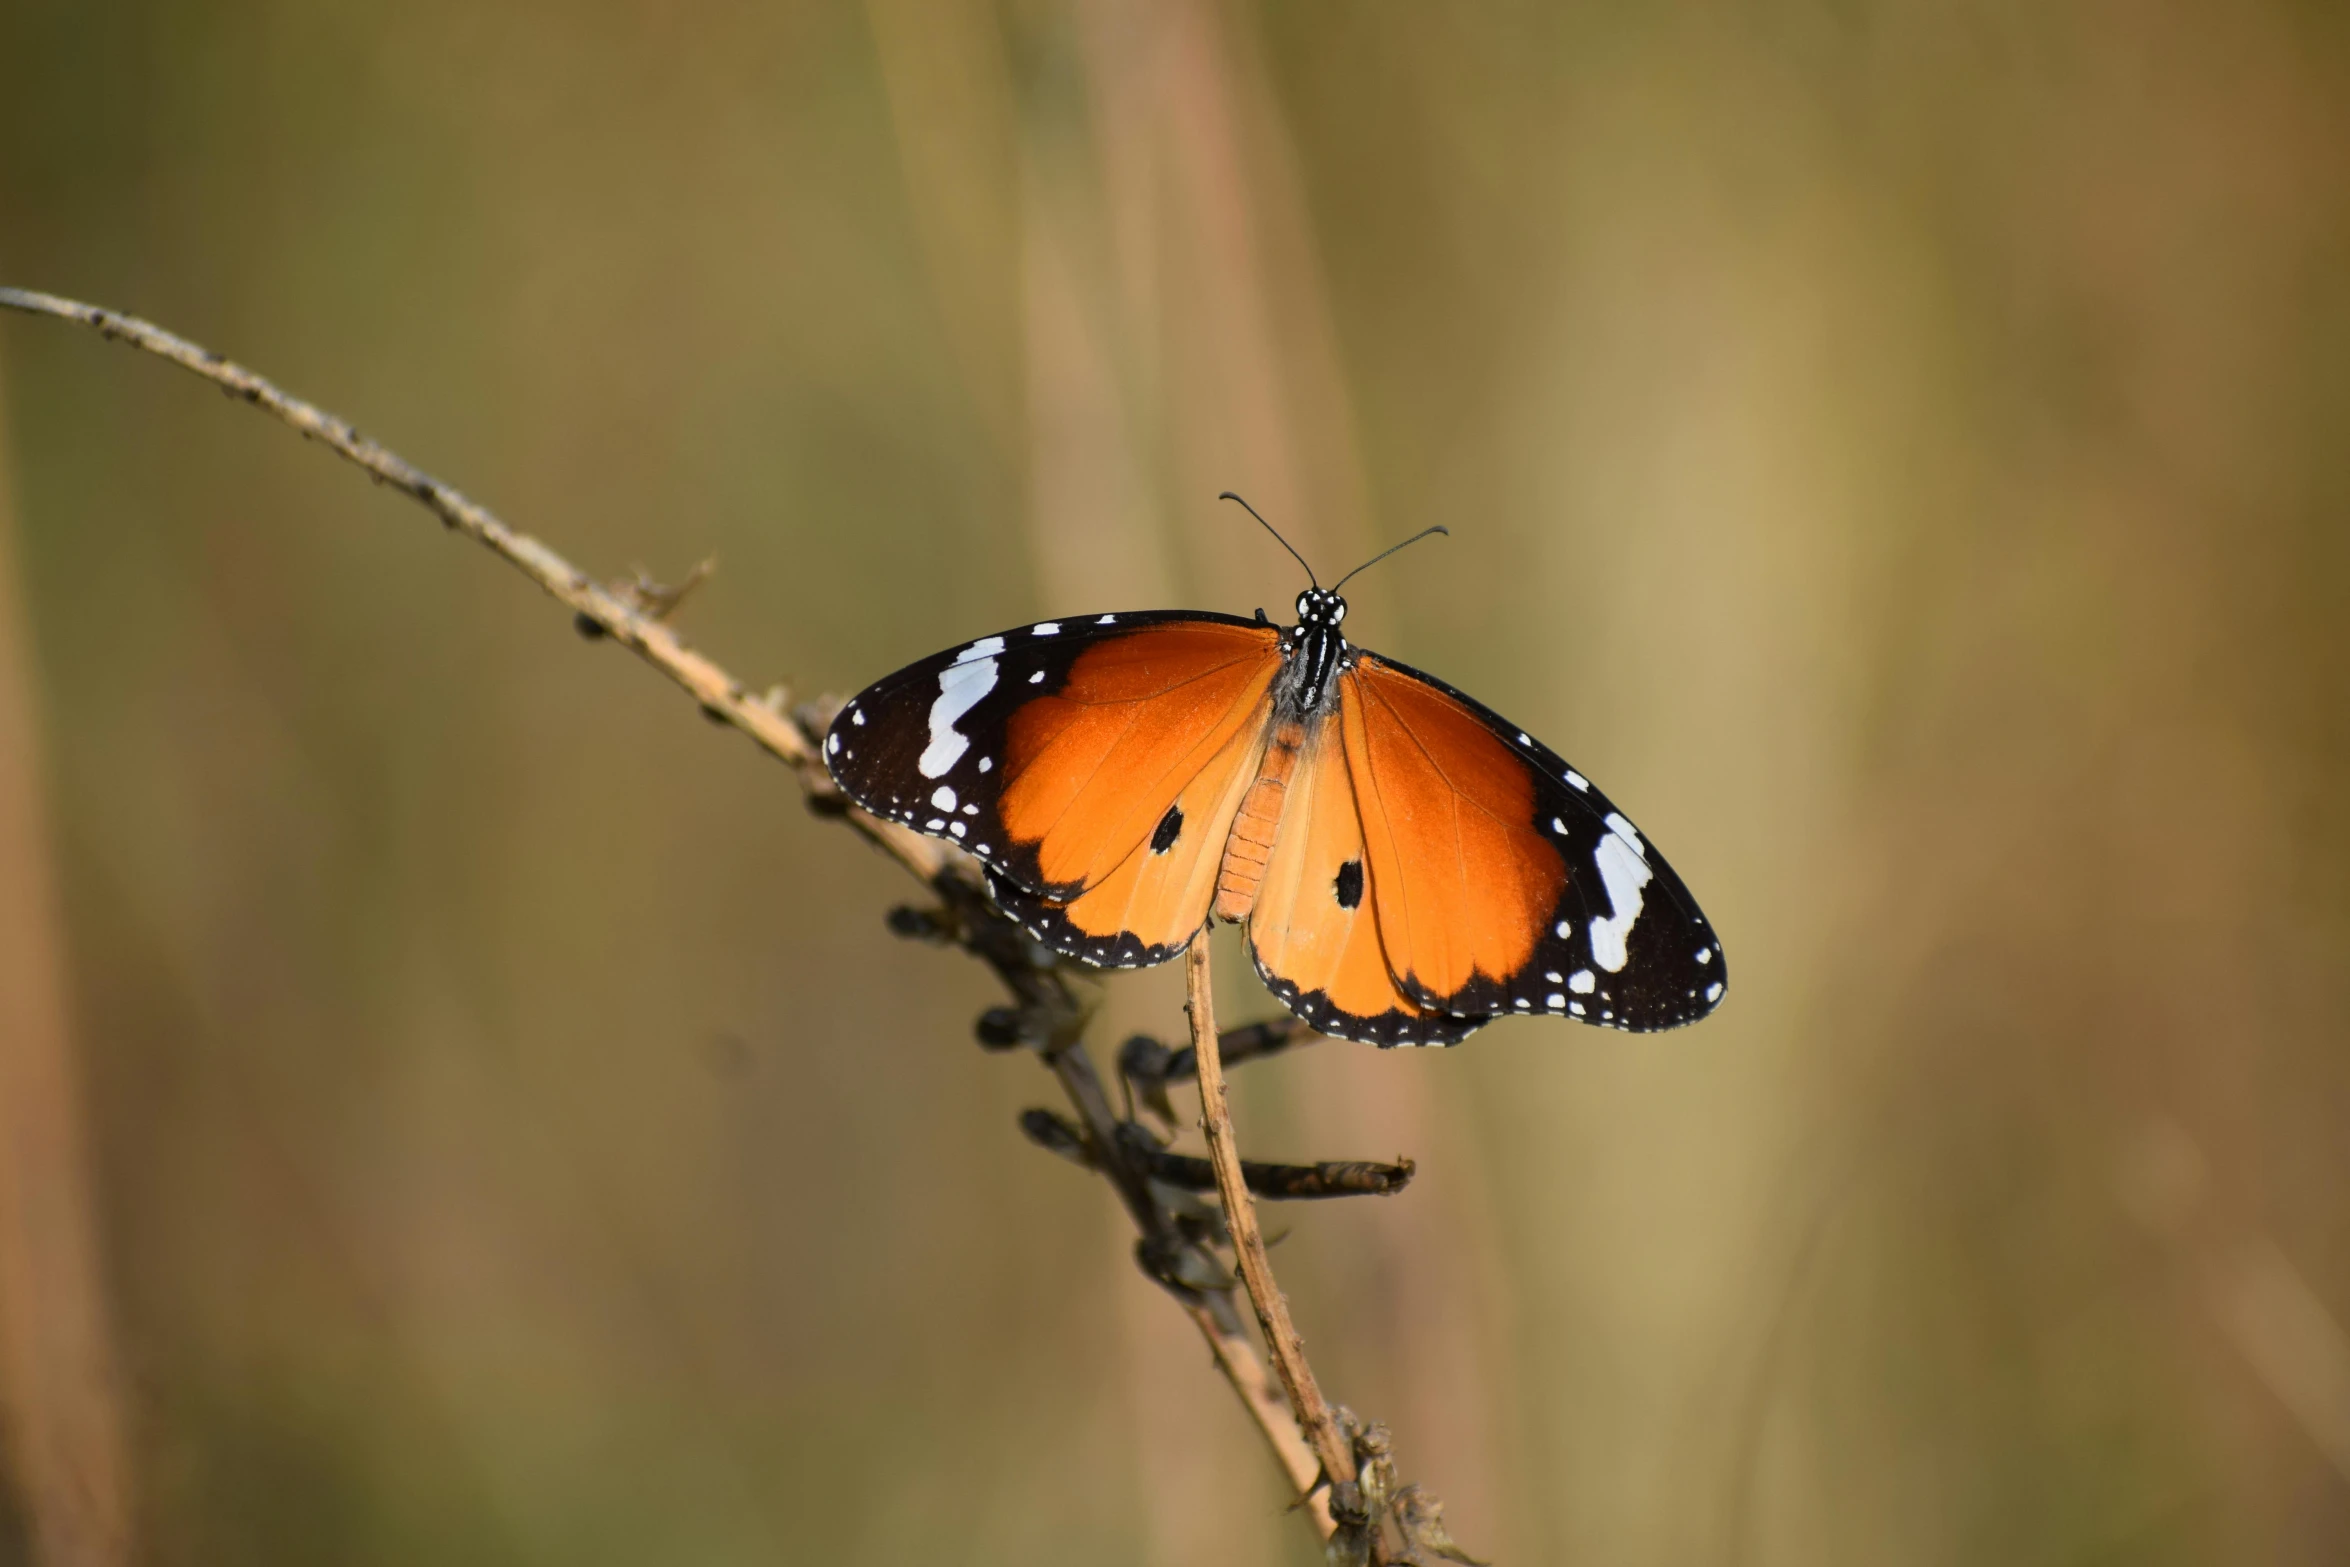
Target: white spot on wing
1713	992
1583	982
1624	873
1565	930
1107	620
985	647
943	797
832	744
1554	999
1558	825
1036	679
1576	1007
856	717
1705	955
1578	780
957	828
1615	819
986	763
960	686
1046	628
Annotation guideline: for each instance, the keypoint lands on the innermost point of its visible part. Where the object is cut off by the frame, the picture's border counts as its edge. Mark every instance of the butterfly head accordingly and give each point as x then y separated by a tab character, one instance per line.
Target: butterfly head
1320	607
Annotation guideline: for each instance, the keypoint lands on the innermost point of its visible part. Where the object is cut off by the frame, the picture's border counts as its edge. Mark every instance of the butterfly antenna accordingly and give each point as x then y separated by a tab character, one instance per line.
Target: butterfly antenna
1383	554
1276	532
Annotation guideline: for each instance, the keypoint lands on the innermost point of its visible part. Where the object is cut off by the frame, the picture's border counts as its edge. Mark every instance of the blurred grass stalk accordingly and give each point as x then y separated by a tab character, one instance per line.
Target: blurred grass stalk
2261	1302
58	1408
1175	340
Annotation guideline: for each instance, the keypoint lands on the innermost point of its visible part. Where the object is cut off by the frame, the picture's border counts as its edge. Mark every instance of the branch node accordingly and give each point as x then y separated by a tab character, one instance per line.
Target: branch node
1181	1267
1057	1134
1148	1066
1001	1028
936	926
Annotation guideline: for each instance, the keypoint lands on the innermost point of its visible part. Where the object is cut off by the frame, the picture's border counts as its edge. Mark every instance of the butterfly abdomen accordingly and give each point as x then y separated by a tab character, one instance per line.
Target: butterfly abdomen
1250	845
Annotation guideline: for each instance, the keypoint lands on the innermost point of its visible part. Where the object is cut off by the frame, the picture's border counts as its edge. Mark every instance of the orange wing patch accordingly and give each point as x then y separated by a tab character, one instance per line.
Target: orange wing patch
1148	909
1462	881
1314	933
1091	769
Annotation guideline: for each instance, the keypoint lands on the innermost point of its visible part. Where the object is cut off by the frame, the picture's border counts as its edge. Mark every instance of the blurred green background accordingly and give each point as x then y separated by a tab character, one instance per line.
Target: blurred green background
1901	451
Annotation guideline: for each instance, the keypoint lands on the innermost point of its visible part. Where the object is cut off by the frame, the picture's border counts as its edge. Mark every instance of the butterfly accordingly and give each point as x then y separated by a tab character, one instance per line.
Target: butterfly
1410	864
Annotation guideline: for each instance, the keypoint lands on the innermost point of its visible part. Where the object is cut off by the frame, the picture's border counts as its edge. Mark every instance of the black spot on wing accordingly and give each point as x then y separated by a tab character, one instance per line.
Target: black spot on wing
1349	886
1169	829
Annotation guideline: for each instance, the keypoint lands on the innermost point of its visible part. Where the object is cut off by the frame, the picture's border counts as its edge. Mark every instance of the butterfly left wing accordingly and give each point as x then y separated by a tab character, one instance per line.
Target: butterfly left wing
1503	881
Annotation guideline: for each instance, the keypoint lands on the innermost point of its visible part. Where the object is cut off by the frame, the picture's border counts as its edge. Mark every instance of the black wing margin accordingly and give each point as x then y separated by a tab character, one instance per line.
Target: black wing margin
1626	946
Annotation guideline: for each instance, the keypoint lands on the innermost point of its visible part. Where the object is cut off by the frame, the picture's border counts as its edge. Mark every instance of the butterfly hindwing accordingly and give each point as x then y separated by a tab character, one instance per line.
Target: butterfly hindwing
1314	933
1504	881
1053	750
1147	910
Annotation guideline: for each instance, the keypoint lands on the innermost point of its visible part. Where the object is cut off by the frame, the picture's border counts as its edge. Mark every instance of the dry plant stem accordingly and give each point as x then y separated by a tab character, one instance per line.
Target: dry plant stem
765	721
1248	1242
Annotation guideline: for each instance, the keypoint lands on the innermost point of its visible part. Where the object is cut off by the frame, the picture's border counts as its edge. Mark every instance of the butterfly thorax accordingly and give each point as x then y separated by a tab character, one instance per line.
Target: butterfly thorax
1312	655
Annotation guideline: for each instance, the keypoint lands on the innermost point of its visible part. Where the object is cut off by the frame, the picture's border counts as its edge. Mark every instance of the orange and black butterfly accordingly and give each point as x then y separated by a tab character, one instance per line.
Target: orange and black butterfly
1410	864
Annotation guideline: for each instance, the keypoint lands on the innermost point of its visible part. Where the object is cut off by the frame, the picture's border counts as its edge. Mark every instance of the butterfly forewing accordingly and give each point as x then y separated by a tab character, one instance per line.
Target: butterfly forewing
1053	750
1505	882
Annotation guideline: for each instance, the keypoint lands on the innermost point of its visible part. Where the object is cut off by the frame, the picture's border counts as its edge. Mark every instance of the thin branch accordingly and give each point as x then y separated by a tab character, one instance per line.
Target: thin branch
1282	1339
630	614
1274	1182
1056	1133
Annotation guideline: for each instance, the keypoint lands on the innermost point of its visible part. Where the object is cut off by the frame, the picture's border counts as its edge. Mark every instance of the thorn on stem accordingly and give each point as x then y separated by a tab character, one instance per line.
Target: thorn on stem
658	600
